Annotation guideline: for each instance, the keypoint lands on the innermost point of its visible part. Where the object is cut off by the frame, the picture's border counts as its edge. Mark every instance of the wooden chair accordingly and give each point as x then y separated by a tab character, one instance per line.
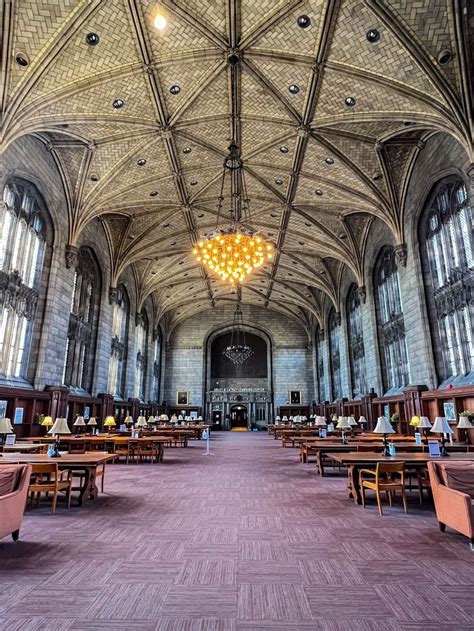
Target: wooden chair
46	478
144	450
122	450
77	448
384	481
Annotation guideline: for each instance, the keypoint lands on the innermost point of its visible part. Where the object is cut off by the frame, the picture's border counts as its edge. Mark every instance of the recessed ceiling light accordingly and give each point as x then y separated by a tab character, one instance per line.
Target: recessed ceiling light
141	162
278	181
92	39
187	150
175	89
308	223
180	263
160	22
377	176
329	160
342	235
304	21
166	225
118	104
94	177
301	242
373	35
350	101
294	89
174	243
193	182
284	149
445	57
318	191
21	60
153	193
273	215
201	215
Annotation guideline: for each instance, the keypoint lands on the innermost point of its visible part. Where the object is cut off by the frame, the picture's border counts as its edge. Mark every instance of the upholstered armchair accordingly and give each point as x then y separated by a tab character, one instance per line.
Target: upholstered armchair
14	481
452	485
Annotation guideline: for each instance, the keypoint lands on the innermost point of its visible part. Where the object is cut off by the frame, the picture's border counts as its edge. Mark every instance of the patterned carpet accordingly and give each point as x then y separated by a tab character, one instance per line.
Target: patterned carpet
245	539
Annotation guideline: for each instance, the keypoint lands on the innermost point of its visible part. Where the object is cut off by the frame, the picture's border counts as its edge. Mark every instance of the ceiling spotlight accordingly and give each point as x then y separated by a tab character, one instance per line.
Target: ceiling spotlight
193	182
175	89
373	35
141	162
187	150
201	215
377	176
21	60
445	57
301	242
92	39
153	193
284	149
350	101
304	21
278	181
294	89
329	160
118	104
160	22
94	177
318	191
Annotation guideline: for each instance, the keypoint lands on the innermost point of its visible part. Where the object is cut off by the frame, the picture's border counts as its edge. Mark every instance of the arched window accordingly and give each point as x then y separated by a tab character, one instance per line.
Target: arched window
334	327
156	365
141	336
22	248
390	322
319	337
356	342
446	239
83	321
118	360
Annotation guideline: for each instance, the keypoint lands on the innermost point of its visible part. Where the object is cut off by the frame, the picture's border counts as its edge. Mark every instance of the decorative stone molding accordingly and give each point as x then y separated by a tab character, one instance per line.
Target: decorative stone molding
113	295
337	318
16	296
362	293
401	254
72	256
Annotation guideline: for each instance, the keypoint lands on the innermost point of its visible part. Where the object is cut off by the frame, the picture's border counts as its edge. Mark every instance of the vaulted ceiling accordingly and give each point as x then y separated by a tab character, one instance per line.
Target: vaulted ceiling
318	167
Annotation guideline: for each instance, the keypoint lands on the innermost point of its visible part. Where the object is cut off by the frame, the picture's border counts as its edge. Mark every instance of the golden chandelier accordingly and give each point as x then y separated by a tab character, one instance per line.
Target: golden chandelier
234	251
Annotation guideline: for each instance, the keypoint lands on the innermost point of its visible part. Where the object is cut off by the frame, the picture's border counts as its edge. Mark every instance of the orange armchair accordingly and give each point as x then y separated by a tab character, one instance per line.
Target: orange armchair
454	508
14	481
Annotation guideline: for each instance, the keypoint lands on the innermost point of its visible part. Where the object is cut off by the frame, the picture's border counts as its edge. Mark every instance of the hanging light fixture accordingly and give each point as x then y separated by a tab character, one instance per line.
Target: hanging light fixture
238	350
234	251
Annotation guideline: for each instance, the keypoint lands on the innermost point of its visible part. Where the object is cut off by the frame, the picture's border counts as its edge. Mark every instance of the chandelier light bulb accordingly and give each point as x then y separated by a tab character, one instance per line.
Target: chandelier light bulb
160	22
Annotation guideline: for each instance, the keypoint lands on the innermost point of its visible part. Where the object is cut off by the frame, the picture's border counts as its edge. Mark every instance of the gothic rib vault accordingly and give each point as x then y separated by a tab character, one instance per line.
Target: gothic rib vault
234	61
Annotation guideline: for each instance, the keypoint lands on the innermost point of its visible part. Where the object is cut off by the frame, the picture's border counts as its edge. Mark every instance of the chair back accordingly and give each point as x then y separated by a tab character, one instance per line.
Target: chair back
368	448
384	468
44	468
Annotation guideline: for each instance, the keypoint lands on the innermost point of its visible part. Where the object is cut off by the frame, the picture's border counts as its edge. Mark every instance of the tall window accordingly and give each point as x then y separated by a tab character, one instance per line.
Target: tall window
141	336
22	248
334	327
390	321
446	238
83	321
156	365
118	360
356	342
319	337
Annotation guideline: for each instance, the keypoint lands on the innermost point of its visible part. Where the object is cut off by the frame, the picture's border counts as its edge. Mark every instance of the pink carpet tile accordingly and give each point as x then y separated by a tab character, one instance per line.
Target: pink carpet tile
245	539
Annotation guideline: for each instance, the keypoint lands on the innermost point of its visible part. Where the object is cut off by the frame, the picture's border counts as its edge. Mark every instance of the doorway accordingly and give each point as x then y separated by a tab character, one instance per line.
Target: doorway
238	416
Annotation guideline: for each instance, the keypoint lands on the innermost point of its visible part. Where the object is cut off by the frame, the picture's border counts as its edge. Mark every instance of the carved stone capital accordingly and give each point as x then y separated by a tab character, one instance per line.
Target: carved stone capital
72	256
113	295
401	254
362	294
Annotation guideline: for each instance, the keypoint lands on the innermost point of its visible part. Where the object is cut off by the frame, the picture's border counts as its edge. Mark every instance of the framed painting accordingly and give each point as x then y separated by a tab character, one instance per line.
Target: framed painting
294	397
18	418
182	397
449	411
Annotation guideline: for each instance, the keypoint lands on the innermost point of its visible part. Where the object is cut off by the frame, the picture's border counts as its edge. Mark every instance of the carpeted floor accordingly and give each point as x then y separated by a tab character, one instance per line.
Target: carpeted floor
245	539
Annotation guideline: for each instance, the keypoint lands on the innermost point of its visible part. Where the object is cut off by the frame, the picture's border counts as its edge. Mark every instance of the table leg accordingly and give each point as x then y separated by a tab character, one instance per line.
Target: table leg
319	463
353	484
89	490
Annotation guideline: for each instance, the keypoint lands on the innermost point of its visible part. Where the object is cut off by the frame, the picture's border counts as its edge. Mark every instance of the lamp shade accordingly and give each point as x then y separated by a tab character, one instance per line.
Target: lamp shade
128	420
441	426
424	423
164	417
292	418
285	418
109	421
47	421
321	421
464	423
151	420
92	422
415	421
141	421
352	421
173	418
343	422
383	426
79	422
277	418
60	427
180	417
5	426
200	418
362	420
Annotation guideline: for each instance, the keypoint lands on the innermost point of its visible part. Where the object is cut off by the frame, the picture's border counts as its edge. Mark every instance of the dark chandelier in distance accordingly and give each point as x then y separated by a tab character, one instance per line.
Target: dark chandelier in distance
238	350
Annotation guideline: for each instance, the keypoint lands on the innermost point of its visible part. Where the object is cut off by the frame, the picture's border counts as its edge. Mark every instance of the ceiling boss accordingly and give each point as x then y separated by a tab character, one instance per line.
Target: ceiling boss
235	250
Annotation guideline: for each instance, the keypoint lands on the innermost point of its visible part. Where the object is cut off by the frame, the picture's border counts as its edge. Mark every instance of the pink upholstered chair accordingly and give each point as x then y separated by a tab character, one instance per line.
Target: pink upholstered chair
14	481
452	485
